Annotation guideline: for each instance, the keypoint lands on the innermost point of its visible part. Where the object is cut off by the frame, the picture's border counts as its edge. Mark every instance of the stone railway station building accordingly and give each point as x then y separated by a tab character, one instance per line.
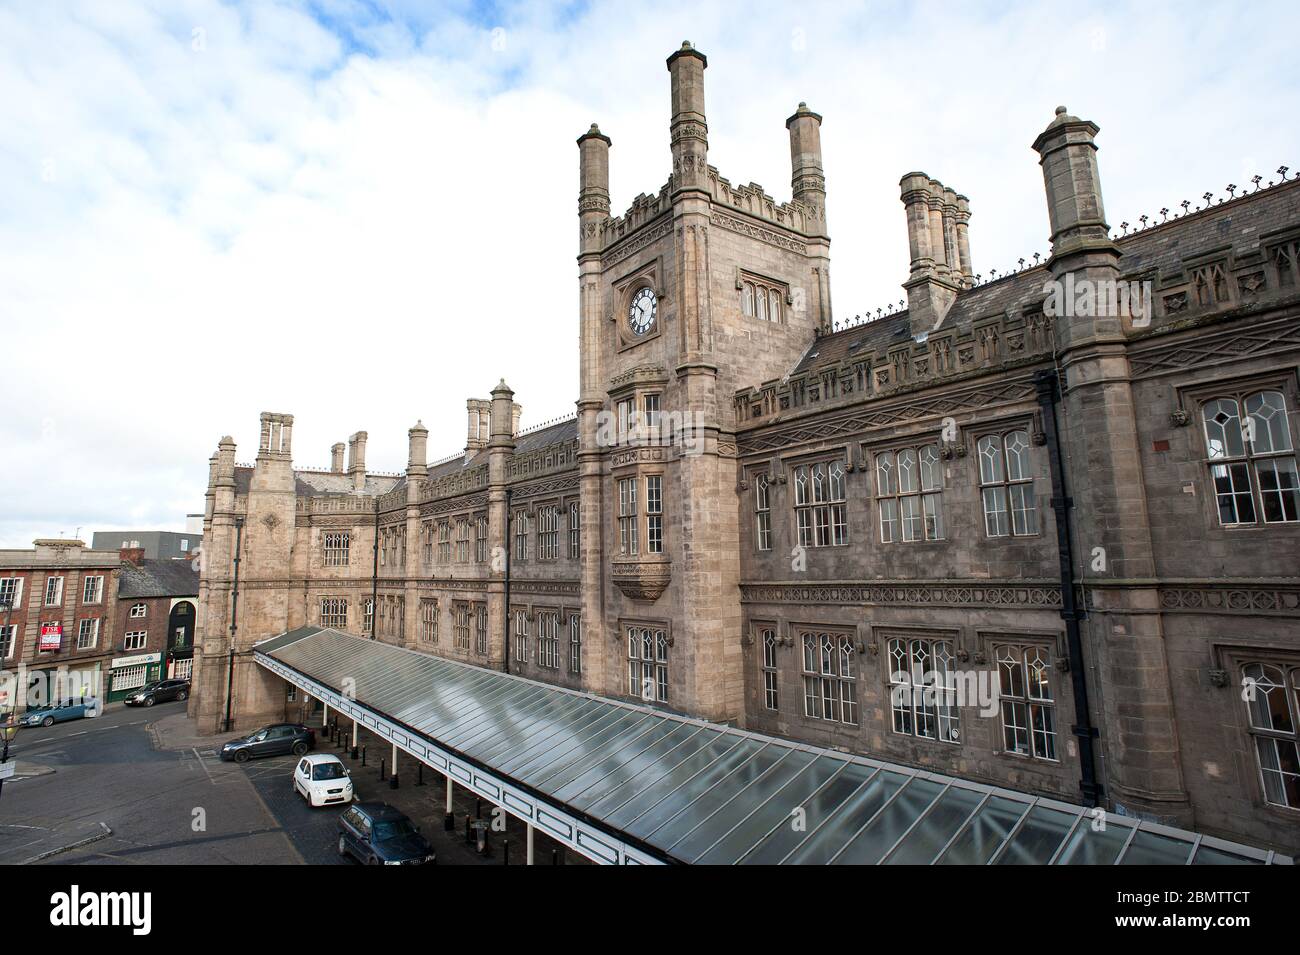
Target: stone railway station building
762	515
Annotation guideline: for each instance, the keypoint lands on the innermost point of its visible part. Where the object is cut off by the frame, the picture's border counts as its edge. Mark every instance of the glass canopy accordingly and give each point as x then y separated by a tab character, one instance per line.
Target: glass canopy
697	792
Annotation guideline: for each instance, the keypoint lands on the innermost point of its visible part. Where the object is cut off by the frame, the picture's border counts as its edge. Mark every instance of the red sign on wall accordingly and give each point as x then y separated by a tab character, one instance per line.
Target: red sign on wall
51	637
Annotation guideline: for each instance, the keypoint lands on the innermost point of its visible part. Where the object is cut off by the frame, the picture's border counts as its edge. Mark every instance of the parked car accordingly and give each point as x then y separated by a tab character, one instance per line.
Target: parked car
322	779
274	740
374	833
50	714
159	691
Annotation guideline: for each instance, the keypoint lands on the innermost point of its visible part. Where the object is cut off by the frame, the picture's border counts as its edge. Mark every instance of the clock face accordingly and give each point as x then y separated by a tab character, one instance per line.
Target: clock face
641	312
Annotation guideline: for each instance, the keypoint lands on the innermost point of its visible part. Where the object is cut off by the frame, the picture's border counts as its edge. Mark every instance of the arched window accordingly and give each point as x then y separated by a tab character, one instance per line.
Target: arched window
747	300
1006	485
1273	705
1251	458
760	305
774	305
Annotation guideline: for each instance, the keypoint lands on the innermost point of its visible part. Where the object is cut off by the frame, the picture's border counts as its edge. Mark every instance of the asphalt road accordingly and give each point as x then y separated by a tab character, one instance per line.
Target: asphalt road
112	790
159	806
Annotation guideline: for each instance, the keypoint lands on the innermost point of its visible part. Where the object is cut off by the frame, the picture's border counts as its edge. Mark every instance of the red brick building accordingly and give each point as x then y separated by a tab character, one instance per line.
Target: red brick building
156	605
58	621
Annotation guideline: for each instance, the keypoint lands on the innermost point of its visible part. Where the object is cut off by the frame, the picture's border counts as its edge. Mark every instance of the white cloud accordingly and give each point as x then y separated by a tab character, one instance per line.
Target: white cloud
364	218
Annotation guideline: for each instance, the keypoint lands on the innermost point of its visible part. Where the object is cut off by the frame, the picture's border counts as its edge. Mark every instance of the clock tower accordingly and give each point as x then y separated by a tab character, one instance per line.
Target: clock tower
696	291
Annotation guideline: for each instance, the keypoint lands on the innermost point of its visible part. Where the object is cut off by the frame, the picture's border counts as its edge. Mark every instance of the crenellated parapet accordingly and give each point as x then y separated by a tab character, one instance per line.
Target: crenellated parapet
1001	329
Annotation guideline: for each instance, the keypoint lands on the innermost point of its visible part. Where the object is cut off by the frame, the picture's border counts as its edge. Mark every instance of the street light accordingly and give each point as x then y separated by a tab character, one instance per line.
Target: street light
8	731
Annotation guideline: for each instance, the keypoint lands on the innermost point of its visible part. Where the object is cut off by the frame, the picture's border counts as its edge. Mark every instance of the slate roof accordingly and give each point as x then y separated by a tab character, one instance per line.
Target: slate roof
158	578
1239	223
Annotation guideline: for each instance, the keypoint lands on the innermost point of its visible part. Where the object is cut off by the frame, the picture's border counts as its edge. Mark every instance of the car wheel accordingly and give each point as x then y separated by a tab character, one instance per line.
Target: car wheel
241	756
343	847
148	701
183	695
48	721
299	748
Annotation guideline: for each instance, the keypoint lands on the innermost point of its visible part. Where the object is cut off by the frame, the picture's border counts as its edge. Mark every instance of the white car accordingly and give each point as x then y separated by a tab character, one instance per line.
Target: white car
322	780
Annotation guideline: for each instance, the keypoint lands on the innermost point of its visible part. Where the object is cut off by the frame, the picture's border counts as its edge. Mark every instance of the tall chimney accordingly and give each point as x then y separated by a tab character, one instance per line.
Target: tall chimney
336	457
357	460
417	459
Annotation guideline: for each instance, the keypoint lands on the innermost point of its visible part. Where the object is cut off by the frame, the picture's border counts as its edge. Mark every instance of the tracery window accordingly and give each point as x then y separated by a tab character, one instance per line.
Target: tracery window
1007	485
1251	458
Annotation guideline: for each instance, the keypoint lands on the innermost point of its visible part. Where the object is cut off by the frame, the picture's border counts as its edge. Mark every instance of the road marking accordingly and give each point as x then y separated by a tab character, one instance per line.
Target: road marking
204	764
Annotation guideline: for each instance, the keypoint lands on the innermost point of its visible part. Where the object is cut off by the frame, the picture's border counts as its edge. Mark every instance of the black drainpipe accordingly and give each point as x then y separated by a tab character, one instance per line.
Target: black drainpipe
374	579
506	628
234	625
1048	395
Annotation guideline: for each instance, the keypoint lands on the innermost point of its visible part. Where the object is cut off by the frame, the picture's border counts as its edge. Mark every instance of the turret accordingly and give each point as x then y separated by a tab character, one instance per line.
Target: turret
593	188
690	130
808	180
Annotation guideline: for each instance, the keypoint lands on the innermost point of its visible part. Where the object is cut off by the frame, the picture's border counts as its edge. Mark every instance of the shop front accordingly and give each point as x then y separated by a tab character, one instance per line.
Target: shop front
131	673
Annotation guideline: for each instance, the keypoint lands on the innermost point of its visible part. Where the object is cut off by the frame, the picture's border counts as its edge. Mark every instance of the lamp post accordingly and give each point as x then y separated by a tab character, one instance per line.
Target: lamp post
234	617
9	730
7	605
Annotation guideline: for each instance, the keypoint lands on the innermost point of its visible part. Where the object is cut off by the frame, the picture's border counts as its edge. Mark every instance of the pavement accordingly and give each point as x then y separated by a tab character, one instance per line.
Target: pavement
141	786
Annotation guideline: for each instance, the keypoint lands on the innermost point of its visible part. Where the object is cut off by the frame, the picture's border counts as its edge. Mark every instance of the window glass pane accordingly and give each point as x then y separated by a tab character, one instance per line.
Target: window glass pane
985	833
928	839
908	477
819	808
1223	429
888	827
756	800
1267	410
1038	838
775	813
1148	848
990	455
1088	846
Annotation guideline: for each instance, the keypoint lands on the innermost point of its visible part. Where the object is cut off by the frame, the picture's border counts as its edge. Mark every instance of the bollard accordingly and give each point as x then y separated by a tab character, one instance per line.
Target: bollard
505	851
382	777
355	752
478	808
469	831
419	774
363	756
555	857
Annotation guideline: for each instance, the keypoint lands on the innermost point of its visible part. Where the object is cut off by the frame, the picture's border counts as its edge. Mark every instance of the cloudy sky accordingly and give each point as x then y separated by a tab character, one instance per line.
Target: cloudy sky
363	212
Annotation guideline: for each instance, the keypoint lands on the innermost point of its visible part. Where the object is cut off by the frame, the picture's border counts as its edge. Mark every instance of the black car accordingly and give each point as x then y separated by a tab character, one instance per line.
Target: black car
274	740
160	691
375	833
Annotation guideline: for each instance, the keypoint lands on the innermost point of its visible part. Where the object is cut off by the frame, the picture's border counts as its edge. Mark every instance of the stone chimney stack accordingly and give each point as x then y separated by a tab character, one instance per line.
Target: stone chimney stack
336	458
939	246
417	459
476	434
808	180
277	436
357	460
131	555
690	130
516	410
1081	242
593	187
224	474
